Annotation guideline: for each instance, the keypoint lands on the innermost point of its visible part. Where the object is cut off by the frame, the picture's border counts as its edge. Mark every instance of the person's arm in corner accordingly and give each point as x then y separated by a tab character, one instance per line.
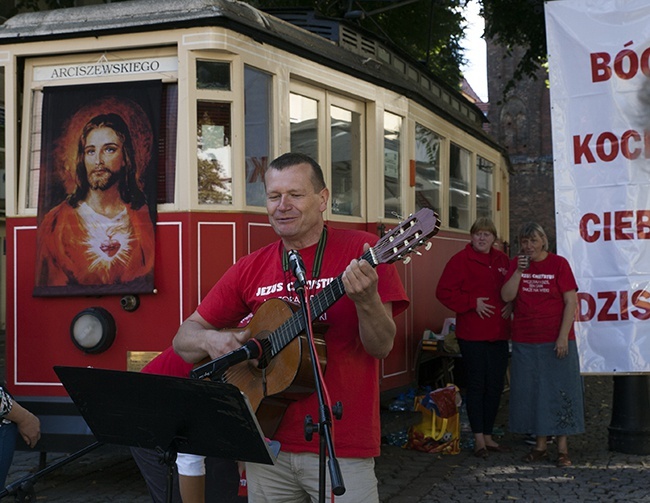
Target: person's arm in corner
376	326
29	426
197	339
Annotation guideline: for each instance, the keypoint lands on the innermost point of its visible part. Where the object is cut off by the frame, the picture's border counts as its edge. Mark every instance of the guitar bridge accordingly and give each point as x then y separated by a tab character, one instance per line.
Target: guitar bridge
264	388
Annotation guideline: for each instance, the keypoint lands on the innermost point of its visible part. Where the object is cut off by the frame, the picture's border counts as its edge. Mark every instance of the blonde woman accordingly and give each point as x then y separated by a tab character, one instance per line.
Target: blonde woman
546	396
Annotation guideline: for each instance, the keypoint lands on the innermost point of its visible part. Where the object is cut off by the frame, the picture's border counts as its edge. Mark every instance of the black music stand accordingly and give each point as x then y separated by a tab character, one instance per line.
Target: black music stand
167	414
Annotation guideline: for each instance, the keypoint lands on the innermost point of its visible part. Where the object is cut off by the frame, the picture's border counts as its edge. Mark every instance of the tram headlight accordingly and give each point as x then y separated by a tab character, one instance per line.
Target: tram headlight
93	330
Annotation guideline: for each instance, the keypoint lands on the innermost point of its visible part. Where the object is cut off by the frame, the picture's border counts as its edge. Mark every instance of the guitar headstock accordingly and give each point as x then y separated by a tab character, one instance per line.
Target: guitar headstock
406	237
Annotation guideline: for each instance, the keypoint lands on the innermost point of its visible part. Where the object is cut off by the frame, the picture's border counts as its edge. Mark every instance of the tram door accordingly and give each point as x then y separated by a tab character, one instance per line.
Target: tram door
331	129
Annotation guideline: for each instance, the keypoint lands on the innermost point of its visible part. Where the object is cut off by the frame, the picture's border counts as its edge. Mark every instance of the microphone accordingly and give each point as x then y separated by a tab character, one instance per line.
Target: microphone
297	267
249	351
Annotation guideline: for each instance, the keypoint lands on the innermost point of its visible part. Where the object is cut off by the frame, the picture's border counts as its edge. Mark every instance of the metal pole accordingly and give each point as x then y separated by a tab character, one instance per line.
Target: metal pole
629	429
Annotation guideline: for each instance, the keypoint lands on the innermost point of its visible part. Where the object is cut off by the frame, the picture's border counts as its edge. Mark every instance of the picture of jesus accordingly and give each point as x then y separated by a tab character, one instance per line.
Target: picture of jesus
102	233
100	238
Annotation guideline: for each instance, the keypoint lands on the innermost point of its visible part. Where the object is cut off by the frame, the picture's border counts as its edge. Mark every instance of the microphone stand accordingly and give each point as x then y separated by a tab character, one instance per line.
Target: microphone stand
323	427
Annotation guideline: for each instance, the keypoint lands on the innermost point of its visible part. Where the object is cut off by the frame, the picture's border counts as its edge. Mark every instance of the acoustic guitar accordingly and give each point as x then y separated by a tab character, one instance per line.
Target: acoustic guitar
283	373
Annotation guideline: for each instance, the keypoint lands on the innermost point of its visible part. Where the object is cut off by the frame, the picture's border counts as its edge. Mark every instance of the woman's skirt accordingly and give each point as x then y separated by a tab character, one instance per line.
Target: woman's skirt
546	392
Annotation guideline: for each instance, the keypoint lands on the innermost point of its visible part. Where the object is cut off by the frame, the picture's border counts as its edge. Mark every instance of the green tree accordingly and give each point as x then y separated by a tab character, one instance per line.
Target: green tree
518	23
431	31
213	187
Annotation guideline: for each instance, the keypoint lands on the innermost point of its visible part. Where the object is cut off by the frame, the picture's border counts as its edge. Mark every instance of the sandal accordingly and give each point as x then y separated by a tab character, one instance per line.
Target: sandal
563	460
535	455
481	453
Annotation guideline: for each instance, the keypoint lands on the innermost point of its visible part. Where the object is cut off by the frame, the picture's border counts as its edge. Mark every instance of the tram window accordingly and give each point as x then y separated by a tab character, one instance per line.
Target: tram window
214	153
257	111
392	164
459	200
346	161
35	153
484	187
304	125
213	75
2	141
427	169
167	144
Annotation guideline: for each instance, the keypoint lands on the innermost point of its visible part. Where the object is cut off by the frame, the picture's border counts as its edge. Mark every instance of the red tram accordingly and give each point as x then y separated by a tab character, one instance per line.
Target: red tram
235	87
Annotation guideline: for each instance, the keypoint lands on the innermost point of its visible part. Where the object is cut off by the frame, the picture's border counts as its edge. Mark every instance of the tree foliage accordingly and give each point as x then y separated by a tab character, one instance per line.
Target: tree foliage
430	31
518	24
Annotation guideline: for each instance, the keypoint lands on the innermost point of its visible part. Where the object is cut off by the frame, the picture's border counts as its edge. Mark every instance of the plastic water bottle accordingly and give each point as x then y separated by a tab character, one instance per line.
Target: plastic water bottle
398	404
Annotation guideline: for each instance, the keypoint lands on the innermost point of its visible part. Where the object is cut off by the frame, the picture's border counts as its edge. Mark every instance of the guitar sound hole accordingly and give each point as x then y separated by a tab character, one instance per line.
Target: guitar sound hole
264	360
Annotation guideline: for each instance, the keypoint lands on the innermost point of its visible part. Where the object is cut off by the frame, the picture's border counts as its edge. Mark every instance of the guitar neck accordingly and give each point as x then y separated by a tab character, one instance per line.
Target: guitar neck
320	303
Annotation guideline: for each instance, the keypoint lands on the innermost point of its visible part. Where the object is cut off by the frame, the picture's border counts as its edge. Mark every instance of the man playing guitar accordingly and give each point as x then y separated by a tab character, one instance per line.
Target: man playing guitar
360	331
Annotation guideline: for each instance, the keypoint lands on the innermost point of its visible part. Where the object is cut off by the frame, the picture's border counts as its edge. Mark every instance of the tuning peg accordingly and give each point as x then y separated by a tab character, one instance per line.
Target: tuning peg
428	246
418	253
407	260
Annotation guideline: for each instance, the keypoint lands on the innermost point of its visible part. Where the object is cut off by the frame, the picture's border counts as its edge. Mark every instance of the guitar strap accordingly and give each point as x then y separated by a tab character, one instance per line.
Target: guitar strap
318	259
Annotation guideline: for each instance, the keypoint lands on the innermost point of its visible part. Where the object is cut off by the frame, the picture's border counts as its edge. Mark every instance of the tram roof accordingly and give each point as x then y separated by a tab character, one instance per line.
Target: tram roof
326	41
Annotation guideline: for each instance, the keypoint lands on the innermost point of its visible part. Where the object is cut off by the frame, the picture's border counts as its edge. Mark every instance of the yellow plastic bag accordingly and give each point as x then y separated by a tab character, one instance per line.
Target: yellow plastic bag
435	433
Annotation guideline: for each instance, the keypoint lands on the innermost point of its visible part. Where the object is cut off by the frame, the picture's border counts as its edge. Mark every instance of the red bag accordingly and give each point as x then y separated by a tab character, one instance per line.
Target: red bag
443	401
439	430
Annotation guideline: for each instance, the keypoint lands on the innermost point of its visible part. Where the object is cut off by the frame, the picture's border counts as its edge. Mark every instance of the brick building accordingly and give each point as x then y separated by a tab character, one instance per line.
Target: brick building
521	122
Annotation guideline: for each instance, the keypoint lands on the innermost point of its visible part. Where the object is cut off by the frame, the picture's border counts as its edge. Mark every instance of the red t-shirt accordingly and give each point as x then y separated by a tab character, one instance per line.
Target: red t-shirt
467	276
539	304
168	363
352	375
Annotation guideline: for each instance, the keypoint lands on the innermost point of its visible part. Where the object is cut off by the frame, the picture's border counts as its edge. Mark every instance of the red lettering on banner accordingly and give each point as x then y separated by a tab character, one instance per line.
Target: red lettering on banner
604	306
628	152
600	70
581	147
626	64
643	224
609	146
604	313
605	152
641	299
625	224
622	305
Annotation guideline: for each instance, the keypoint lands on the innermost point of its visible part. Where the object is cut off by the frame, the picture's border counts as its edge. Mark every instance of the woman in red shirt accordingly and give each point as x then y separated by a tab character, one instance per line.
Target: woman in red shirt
471	285
546	395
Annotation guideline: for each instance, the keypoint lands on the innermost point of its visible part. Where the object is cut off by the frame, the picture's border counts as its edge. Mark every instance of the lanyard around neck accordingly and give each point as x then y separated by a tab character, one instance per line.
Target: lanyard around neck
318	259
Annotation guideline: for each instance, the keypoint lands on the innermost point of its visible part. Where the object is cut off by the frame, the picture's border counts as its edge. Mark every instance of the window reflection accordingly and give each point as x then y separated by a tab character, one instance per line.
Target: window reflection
427	169
484	187
303	113
392	163
213	75
346	162
459	190
257	110
214	153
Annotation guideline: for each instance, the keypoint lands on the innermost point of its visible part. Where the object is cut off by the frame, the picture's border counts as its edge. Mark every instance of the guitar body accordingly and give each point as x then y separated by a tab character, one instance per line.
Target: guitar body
284	373
287	377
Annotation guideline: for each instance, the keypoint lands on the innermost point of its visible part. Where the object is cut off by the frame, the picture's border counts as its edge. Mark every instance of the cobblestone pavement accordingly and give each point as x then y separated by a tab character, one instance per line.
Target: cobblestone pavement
108	474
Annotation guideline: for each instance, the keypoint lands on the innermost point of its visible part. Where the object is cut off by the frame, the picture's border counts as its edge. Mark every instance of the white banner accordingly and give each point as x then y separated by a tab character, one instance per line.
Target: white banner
599	64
